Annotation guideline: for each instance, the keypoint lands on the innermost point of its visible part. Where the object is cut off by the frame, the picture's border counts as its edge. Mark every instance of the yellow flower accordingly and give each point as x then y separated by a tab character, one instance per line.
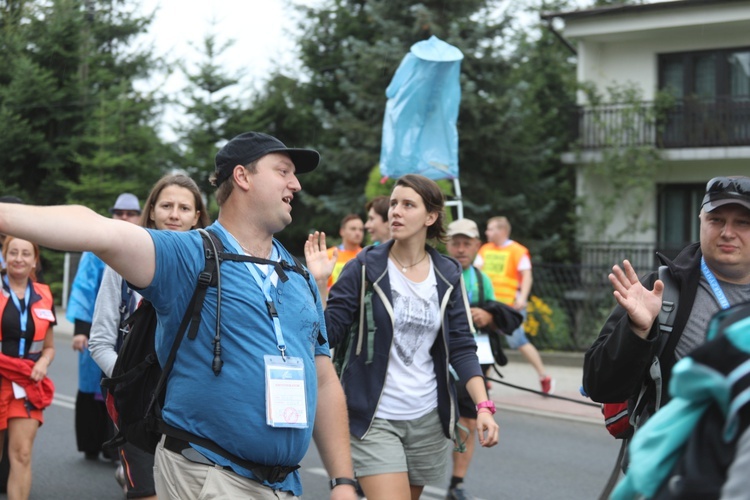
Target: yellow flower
539	313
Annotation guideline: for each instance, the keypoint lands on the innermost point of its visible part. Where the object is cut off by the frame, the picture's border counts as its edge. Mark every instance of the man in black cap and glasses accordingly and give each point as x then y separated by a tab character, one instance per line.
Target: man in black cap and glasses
631	353
274	378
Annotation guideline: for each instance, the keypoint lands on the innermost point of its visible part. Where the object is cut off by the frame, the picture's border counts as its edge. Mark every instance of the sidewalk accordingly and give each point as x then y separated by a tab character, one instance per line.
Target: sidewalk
565	368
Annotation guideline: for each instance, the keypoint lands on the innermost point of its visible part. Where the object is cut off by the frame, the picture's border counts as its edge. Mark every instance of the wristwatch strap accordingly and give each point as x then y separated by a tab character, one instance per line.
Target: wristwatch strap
342	480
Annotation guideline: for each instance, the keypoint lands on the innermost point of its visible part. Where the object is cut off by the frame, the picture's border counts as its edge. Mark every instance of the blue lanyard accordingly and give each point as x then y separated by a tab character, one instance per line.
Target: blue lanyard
264	284
22	314
715	287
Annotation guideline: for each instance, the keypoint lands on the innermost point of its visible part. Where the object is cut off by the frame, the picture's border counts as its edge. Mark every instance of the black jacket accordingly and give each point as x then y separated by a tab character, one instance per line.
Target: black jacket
617	363
363	376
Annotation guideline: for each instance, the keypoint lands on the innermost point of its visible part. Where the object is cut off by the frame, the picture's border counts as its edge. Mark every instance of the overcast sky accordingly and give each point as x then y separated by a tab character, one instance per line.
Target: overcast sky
263	30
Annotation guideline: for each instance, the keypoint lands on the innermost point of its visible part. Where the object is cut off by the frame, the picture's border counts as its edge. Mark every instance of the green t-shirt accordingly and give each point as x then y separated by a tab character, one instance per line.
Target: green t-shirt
472	287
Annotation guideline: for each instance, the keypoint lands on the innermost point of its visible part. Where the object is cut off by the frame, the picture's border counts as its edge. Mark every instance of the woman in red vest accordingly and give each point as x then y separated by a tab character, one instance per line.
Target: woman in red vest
26	319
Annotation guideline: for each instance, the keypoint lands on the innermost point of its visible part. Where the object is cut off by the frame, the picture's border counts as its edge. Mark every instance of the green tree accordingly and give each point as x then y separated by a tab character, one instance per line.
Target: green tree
349	52
208	109
516	83
538	103
73	126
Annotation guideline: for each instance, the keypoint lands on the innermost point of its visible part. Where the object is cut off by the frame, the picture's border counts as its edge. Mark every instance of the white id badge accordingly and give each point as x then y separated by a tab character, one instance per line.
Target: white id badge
45	314
286	401
18	391
484	352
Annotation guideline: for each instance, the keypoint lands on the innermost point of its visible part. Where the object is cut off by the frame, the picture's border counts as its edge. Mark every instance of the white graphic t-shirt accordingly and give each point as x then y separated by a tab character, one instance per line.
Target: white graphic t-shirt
410	386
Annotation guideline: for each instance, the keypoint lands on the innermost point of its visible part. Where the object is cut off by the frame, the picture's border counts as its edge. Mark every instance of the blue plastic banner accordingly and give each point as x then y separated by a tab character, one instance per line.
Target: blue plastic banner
419	127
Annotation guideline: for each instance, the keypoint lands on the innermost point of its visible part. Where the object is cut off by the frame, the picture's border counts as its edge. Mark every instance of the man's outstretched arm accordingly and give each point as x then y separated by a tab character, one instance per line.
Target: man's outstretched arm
127	248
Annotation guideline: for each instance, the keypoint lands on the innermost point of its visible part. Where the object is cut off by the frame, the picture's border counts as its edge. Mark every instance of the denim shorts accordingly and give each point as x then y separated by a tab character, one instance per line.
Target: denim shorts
518	338
417	447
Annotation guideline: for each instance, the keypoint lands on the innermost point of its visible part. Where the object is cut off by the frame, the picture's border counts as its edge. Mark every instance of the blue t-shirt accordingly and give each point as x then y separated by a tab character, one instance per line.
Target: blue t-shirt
229	409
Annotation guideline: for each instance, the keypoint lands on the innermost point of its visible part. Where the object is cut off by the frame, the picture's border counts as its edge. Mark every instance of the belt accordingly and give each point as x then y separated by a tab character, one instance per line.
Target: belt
182	447
270	473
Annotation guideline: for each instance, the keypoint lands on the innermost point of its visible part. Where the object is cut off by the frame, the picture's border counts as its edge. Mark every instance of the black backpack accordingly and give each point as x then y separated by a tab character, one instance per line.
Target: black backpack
135	392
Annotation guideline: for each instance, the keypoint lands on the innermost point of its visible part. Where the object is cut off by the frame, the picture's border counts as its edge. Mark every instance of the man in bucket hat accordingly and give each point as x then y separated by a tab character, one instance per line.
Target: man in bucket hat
126	207
275	378
711	274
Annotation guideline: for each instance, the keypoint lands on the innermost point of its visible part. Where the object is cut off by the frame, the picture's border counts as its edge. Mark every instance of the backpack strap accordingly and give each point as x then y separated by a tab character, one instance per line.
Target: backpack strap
280	266
212	248
666	318
480	285
126	295
192	312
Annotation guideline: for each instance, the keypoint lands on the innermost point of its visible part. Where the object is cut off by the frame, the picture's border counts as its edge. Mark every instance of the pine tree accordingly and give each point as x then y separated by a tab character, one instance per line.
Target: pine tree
74	128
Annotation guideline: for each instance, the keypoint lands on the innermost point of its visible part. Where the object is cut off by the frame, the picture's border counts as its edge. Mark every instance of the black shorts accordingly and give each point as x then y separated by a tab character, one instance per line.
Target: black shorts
139	471
466	407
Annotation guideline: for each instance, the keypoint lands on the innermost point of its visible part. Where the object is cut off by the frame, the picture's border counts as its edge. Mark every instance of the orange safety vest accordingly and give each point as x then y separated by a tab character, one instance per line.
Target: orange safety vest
40	312
344	257
501	265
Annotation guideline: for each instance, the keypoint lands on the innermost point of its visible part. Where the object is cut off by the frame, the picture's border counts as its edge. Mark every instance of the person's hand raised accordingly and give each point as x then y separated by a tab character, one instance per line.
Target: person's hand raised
642	305
316	257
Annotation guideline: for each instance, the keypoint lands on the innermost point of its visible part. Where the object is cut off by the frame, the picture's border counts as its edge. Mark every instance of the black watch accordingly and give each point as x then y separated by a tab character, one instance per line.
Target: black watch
342	480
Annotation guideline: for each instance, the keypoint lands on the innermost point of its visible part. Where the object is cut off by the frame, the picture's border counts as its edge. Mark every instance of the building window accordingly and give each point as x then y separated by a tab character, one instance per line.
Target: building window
712	92
679	205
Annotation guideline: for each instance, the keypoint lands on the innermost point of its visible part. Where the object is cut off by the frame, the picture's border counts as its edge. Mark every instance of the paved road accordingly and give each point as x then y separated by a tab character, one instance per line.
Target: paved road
548	449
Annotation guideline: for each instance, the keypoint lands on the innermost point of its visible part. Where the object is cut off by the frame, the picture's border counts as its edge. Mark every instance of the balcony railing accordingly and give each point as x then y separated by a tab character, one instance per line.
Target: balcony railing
688	123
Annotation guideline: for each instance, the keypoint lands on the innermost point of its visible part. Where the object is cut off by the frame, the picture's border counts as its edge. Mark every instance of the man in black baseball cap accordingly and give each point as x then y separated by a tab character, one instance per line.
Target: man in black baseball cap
271	325
722	191
251	146
707	276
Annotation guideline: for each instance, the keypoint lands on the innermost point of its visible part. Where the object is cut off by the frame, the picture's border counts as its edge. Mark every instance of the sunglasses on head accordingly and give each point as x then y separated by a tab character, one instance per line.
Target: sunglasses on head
728	185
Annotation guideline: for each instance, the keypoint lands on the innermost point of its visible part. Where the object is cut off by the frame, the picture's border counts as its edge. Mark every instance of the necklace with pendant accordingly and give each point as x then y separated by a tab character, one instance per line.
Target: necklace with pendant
406	268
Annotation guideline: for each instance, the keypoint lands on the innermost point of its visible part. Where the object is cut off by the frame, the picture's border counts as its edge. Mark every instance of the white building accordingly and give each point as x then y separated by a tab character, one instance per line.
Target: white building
700	51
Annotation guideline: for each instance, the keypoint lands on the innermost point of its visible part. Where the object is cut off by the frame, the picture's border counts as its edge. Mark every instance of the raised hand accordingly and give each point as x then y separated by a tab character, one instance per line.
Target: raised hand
642	305
316	256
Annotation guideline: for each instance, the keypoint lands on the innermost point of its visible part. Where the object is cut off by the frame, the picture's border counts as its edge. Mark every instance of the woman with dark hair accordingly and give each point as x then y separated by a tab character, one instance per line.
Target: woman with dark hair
27	315
174	204
399	315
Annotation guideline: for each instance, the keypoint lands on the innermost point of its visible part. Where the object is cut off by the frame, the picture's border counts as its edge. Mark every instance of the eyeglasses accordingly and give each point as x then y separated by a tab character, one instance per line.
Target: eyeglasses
125	213
728	186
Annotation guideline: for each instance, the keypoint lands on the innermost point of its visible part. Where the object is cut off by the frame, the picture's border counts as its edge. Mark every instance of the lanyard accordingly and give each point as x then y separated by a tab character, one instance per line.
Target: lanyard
264	284
22	314
715	287
471	285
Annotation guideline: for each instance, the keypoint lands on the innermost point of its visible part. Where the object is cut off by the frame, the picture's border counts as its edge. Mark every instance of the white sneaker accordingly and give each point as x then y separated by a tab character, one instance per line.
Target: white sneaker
120	477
